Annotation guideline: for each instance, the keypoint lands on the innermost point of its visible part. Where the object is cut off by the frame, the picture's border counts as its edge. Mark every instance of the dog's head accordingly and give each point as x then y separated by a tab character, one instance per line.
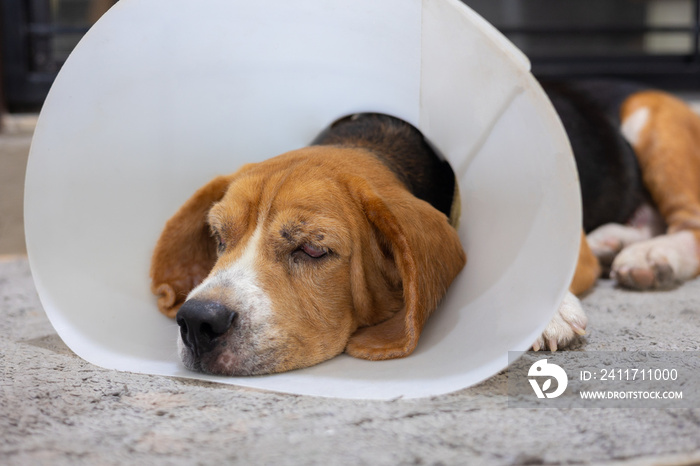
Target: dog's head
289	262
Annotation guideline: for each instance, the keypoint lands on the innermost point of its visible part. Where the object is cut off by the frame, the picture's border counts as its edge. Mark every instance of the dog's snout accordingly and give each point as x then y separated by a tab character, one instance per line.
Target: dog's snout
202	323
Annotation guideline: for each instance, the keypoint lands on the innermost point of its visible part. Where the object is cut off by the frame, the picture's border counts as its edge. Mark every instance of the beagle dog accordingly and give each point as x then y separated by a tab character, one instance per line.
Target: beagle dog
349	244
637	152
346	245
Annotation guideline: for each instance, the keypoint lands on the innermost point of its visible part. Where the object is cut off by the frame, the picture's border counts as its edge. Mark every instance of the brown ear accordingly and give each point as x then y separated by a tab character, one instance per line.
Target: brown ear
185	252
428	255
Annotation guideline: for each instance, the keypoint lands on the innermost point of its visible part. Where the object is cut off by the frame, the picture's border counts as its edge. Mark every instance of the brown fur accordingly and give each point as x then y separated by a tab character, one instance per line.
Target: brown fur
185	253
587	269
669	156
392	257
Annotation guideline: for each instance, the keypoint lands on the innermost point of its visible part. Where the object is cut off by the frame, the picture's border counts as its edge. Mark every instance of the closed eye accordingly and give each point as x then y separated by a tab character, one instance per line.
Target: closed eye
312	251
220	243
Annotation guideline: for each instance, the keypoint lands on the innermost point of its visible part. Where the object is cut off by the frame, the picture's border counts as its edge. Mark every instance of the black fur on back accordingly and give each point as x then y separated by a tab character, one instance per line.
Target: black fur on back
403	149
611	182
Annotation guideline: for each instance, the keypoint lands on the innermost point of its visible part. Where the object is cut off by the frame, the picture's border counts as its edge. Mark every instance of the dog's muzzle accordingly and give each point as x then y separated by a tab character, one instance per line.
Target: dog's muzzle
203	324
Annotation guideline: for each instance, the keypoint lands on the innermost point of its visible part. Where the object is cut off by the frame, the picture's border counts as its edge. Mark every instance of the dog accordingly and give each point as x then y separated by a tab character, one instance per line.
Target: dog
349	244
346	245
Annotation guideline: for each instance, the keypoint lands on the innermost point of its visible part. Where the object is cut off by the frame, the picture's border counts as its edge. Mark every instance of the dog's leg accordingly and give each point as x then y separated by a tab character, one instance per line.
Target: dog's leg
660	263
587	268
570	319
665	135
608	240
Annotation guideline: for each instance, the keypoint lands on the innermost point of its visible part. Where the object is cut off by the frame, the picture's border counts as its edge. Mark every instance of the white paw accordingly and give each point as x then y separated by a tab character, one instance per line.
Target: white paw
569	321
608	240
661	262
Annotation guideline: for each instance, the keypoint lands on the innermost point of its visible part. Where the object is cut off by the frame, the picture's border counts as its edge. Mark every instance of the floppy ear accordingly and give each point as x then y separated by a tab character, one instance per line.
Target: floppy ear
185	252
428	255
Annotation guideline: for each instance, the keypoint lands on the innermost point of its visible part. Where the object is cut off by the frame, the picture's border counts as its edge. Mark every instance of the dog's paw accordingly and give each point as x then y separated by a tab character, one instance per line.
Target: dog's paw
659	263
569	322
608	240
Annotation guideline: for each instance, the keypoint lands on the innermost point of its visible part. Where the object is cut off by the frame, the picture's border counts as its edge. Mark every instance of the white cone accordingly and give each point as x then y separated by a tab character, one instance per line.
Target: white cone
162	95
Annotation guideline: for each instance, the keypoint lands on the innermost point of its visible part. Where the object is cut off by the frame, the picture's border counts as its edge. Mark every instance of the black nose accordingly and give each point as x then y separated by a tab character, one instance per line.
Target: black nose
202	323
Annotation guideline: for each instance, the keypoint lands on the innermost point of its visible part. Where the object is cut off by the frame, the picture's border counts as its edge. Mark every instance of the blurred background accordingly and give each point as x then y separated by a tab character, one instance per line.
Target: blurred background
653	41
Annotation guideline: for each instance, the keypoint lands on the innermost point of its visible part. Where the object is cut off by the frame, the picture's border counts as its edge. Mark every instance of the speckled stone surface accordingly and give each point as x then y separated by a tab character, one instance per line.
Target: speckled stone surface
57	409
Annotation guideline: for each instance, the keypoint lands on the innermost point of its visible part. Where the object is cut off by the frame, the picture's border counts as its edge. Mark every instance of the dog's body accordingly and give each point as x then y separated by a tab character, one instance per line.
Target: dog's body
610	179
638	155
349	245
